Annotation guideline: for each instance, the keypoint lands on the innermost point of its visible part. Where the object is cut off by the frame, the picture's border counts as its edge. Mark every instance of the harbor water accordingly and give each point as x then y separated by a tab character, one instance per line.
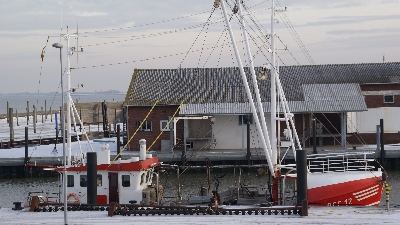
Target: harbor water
16	190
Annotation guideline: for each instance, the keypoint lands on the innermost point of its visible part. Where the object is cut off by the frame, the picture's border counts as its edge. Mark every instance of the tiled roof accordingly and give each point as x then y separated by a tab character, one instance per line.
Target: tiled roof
307	88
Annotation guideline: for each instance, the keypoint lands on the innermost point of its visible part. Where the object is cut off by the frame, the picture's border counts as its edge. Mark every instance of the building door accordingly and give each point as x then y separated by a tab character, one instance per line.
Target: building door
113	187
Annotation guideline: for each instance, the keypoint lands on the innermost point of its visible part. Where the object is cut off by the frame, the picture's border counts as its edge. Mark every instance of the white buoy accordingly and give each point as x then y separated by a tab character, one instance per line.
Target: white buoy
142	143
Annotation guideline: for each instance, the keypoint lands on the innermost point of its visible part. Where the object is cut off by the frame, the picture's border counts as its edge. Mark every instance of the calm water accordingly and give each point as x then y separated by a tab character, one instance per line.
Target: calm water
53	100
17	189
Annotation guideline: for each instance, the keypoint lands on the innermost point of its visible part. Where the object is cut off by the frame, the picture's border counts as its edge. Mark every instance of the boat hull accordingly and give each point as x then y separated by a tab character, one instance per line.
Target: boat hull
361	188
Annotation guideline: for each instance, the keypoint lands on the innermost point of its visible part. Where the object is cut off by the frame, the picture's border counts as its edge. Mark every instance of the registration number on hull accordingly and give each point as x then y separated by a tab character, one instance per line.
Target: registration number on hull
338	203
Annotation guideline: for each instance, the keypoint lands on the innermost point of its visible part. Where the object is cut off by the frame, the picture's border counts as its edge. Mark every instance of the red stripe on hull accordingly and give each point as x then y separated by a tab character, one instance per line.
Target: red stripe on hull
131	166
363	192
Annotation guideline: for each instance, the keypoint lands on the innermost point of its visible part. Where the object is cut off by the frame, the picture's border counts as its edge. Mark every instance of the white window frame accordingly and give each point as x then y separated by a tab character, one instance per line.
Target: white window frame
147	124
384	99
162	126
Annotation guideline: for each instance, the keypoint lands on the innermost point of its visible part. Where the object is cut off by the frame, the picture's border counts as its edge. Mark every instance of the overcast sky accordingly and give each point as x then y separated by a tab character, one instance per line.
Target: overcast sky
129	33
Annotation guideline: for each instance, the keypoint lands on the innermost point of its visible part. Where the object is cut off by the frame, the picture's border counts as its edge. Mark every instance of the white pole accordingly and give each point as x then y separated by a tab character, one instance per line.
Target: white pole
255	83
69	52
253	108
273	88
64	174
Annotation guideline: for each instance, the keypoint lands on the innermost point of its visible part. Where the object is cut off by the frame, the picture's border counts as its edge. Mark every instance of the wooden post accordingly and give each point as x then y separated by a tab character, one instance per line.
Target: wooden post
382	142
45	110
34	119
11	124
118	140
112	208
26	146
8	115
16	115
51	115
115	119
27	112
304	208
41	109
98	119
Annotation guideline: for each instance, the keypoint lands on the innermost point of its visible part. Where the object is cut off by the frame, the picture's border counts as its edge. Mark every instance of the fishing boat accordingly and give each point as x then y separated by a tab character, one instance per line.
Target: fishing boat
333	179
122	181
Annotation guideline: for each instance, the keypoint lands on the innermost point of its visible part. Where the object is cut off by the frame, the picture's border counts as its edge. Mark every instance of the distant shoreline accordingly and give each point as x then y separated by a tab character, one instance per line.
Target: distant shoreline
19	102
75	93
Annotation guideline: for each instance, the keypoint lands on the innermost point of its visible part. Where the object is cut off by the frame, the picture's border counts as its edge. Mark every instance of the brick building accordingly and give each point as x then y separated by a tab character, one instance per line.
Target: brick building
345	99
155	122
383	102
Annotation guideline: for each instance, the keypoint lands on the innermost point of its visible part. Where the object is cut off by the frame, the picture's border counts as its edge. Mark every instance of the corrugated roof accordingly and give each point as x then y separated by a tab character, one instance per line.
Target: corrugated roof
348	97
222	88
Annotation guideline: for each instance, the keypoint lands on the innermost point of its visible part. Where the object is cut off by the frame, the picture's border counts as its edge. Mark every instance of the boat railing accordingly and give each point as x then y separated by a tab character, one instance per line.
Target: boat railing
44	197
339	162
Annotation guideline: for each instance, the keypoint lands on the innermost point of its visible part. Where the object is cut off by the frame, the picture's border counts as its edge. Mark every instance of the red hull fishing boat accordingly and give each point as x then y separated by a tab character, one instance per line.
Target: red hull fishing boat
332	179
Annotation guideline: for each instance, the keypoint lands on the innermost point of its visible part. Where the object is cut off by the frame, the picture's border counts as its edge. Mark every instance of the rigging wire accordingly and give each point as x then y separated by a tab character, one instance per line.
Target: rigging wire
305	52
143	25
308	56
208	20
157	34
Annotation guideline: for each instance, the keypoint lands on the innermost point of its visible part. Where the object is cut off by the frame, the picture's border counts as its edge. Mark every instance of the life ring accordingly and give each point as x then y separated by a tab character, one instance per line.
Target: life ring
73	195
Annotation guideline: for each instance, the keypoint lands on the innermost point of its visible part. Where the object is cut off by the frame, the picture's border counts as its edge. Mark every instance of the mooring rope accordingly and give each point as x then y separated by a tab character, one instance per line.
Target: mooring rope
130	139
165	127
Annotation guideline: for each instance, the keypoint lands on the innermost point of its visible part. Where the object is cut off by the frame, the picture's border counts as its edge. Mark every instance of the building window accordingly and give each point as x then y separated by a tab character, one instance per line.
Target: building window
146	126
164	123
189	144
99	180
70	180
126	181
388	99
83	180
243	119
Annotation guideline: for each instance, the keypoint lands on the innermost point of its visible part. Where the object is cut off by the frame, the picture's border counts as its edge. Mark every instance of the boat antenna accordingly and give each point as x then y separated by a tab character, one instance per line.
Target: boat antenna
55	152
77	46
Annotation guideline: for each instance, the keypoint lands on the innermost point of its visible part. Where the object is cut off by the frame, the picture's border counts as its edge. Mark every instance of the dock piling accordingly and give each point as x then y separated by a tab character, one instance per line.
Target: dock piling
118	140
26	145
27	112
8	115
301	181
382	144
91	178
34	119
16	115
11	124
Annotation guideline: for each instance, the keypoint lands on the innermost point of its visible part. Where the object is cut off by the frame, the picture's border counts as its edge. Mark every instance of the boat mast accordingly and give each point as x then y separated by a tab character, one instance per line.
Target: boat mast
70	51
246	85
274	157
255	83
